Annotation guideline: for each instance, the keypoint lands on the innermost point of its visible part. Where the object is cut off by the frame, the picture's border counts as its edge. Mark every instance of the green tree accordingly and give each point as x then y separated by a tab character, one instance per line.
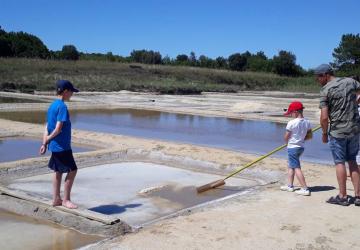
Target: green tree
182	59
206	62
55	54
110	57
285	64
221	62
166	60
261	55
348	51
5	44
69	52
192	59
5	47
237	62
259	63
2	32
27	45
144	56
156	57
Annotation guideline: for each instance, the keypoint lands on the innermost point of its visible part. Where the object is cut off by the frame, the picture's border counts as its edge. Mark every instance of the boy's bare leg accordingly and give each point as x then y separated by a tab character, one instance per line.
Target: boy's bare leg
56	189
300	177
354	173
341	178
291	174
69	180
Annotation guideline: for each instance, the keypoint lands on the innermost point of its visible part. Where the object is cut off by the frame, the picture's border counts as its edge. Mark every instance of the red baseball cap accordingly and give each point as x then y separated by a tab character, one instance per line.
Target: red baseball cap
294	106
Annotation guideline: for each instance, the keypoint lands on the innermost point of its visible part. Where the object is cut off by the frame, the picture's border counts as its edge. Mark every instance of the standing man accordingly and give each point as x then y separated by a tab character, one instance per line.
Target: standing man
340	123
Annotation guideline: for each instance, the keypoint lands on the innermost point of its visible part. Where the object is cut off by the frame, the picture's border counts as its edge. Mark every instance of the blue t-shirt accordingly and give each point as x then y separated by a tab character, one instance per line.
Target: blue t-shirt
58	112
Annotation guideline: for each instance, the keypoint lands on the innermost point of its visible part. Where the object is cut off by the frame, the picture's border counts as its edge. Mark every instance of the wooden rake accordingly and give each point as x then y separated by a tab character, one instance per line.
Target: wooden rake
221	182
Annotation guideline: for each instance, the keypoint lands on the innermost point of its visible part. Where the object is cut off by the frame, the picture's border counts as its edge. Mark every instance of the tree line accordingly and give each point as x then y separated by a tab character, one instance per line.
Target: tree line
346	56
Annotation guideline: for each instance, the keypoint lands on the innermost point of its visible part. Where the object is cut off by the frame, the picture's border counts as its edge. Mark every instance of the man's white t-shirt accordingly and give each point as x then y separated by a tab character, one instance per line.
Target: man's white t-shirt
298	129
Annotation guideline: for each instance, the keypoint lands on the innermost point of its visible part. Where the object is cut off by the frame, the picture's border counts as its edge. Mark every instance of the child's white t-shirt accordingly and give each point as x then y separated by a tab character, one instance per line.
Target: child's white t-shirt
298	129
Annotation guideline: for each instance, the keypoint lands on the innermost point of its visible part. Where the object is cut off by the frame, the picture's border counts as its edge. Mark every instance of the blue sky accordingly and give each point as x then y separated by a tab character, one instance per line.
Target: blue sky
309	29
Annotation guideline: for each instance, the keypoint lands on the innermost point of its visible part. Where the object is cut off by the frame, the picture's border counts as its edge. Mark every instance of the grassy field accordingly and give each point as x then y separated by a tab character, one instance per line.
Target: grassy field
27	75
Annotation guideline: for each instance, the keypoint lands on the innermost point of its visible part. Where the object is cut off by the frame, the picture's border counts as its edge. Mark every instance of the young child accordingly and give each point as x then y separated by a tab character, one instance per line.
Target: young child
297	131
57	136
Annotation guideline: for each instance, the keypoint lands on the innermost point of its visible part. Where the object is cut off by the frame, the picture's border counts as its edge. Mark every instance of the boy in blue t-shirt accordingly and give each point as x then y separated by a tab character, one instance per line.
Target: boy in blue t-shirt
57	136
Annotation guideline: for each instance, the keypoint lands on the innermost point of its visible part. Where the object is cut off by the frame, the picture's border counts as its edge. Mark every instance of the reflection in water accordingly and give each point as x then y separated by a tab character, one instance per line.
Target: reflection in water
38	117
4	99
20	232
248	136
12	149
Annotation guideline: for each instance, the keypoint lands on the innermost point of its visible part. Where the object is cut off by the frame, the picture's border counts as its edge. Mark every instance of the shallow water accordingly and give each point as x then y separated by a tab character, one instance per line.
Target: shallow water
119	186
20	232
257	137
13	149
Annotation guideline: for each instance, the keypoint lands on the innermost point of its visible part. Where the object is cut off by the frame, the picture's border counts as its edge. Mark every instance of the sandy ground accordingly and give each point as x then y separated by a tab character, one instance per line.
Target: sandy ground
266	219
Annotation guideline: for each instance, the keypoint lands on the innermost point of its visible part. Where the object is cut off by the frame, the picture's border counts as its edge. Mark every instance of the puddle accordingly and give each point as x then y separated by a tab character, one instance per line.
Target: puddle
4	99
257	137
20	232
115	189
13	149
188	197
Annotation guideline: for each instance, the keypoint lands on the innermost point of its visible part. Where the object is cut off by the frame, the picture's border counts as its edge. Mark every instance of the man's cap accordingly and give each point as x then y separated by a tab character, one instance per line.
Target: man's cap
323	69
294	106
61	85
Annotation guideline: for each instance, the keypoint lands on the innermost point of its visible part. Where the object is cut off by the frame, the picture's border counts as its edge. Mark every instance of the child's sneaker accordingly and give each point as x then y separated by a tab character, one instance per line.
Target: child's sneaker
287	188
303	191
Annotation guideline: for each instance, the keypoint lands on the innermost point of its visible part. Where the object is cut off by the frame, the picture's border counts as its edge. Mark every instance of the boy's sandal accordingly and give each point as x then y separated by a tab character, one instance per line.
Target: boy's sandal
357	201
339	201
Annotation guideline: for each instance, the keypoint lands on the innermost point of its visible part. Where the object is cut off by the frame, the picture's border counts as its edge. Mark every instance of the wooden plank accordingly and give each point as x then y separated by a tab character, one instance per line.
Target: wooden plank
83	212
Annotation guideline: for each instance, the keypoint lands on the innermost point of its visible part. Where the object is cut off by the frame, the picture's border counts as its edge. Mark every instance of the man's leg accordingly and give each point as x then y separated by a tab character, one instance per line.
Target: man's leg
355	176
341	178
338	148
352	151
69	180
56	189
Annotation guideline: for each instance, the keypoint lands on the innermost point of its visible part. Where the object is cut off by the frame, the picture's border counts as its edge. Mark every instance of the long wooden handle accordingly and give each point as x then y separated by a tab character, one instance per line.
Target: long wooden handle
262	157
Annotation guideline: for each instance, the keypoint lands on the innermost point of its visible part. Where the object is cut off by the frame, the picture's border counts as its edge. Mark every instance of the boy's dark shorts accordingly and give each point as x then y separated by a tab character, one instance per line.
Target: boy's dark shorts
62	162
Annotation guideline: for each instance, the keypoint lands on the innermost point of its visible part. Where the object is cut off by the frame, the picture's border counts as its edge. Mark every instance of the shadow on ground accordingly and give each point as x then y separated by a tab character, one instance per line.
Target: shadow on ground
321	188
113	209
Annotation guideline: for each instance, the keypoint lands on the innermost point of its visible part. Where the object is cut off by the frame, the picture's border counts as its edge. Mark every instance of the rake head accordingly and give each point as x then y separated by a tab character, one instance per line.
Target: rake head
210	185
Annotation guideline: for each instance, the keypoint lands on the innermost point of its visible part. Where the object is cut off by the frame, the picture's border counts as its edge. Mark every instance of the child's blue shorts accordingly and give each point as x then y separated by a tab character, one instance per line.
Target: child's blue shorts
294	157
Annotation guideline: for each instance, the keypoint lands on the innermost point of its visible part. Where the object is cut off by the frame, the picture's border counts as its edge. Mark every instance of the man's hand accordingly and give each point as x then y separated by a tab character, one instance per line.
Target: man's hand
325	138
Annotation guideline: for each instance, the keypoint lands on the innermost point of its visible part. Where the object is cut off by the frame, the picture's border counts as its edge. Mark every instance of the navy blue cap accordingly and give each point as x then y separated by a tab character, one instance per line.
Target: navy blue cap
323	69
61	85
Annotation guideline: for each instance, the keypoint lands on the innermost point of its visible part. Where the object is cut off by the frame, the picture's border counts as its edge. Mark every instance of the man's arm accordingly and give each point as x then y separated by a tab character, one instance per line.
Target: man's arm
324	122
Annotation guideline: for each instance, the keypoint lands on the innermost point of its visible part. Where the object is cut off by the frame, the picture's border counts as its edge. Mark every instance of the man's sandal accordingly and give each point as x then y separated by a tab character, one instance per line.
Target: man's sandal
339	201
357	201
